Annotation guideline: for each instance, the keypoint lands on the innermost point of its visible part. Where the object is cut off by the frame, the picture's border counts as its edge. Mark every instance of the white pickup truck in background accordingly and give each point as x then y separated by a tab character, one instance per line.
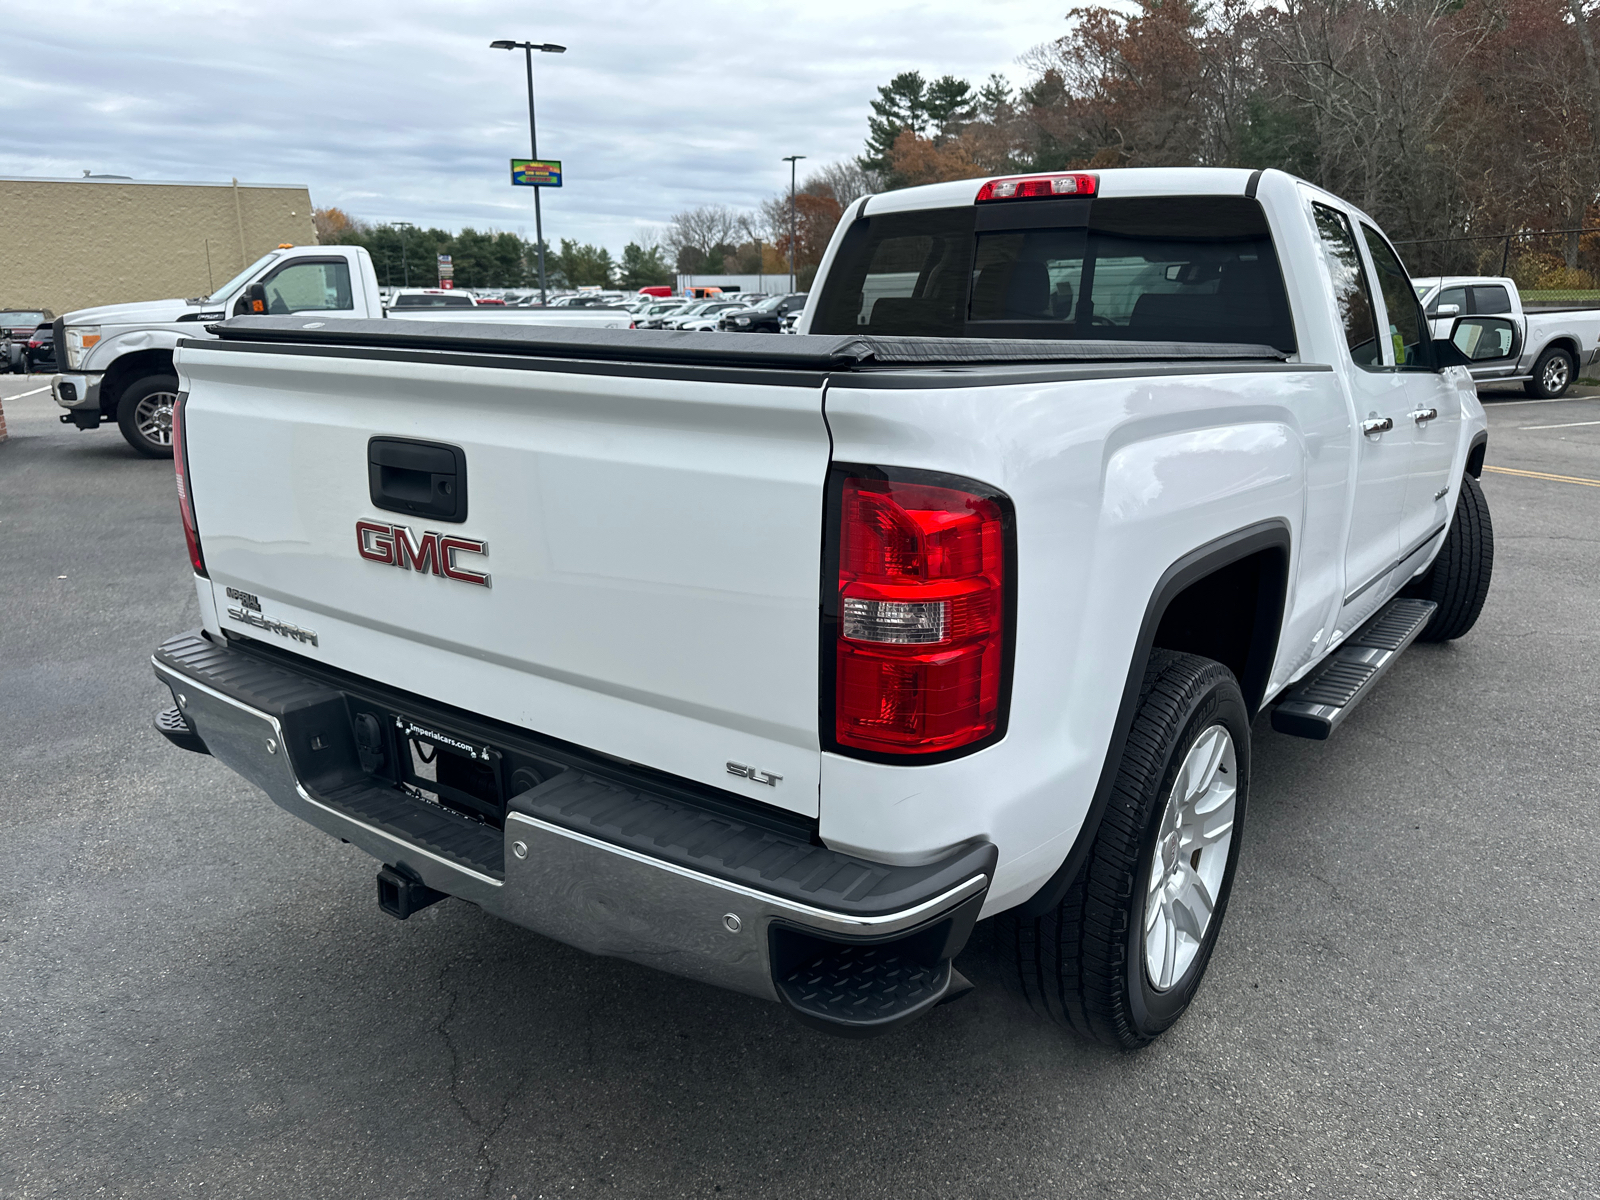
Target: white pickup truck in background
1543	349
777	662
116	360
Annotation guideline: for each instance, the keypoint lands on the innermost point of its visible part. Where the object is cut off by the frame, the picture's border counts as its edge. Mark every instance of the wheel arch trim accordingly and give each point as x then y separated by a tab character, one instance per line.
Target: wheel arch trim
1263	536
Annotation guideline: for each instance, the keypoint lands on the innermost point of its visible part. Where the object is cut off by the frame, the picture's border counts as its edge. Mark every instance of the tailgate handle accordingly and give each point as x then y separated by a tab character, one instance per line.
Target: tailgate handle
422	479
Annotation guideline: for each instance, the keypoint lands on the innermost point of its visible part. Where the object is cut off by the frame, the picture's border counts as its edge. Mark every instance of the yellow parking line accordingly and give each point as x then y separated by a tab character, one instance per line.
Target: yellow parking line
1543	475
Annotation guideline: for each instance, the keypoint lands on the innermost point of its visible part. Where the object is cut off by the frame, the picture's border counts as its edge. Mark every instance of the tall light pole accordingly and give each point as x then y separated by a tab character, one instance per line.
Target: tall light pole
533	135
405	268
792	160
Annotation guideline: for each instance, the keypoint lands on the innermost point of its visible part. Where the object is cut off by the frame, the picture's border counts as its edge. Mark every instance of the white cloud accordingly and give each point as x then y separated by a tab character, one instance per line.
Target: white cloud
401	111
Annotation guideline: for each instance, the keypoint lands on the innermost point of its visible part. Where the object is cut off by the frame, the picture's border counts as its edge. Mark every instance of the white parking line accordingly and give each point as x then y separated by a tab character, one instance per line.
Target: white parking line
1492	404
35	392
1568	425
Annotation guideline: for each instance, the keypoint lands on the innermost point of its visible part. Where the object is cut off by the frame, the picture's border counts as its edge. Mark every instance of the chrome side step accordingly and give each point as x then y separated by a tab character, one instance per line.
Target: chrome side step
1315	707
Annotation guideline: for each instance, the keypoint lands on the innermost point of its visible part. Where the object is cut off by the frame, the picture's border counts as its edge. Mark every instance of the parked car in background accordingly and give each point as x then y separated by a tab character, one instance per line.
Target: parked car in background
40	351
703	320
492	300
683	308
16	327
1543	349
765	317
432	298
657	308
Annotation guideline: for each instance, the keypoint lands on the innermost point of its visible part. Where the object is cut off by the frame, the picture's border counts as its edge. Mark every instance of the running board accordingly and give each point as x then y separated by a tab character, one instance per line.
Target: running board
1319	703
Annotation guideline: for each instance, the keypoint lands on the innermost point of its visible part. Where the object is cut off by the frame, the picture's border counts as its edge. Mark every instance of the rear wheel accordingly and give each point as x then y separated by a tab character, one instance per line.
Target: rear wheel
1458	581
144	414
1120	957
1551	375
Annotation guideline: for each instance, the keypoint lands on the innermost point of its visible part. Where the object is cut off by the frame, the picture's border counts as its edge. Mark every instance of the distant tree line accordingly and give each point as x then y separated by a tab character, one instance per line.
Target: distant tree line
489	260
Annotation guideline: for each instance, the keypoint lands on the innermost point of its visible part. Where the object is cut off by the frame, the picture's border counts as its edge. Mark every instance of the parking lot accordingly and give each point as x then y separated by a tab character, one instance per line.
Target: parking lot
201	997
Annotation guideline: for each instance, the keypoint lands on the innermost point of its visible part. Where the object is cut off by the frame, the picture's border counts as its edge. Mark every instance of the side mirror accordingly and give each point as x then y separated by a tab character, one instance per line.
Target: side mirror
1447	310
1479	341
255	300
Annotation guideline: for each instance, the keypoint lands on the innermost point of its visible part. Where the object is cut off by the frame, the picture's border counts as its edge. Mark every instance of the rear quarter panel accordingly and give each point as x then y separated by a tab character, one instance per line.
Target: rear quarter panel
1113	481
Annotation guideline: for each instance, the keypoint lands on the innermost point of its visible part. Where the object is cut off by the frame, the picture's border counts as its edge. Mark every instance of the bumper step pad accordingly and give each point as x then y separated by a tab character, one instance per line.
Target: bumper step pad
1315	707
171	724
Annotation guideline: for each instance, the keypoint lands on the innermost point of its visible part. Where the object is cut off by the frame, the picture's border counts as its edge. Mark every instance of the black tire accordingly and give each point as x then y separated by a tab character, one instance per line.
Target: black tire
1458	581
129	417
1552	374
1082	963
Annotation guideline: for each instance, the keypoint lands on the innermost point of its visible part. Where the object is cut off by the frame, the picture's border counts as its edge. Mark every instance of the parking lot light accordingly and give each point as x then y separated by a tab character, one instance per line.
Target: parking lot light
533	135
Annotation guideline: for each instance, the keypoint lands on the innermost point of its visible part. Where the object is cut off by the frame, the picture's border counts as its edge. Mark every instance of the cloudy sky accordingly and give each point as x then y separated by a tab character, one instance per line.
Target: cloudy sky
401	111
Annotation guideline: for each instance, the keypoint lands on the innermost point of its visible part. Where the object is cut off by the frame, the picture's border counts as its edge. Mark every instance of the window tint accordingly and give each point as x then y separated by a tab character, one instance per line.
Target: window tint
1191	269
310	286
1351	295
1453	295
900	273
1413	343
1490	299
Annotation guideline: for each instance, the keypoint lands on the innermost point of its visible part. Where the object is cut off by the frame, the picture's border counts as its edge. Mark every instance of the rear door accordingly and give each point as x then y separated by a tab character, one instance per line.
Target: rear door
650	537
1377	396
1427	419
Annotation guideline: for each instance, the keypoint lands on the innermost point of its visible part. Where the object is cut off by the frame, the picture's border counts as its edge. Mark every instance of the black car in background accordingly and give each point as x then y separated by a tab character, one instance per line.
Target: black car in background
39	354
16	328
766	317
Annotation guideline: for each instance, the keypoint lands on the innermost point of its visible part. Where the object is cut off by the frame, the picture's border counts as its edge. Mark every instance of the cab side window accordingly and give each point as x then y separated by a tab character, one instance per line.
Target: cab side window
1413	343
1351	295
1490	300
309	287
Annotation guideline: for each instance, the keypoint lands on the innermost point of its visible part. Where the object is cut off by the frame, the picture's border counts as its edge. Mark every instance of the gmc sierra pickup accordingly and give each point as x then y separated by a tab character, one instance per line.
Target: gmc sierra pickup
118	357
778	662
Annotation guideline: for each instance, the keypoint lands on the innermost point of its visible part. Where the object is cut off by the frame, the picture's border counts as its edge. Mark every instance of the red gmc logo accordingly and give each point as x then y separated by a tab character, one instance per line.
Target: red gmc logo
394	546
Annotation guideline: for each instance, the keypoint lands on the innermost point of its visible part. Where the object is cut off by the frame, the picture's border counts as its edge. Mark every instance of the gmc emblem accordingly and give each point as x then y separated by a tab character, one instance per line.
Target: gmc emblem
394	546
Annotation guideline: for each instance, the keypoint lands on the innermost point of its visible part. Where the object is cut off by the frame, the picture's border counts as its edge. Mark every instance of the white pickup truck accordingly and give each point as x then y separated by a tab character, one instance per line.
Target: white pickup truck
1543	349
777	662
117	359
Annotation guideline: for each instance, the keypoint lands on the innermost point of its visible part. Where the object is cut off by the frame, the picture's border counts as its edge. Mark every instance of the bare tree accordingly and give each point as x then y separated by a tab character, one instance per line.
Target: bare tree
698	232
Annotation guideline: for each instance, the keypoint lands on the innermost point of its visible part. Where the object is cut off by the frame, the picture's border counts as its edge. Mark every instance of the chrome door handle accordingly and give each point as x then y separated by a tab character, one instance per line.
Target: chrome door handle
1423	415
1377	425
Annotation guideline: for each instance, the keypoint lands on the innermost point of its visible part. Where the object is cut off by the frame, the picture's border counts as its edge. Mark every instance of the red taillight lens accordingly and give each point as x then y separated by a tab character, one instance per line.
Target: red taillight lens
1027	187
920	654
180	467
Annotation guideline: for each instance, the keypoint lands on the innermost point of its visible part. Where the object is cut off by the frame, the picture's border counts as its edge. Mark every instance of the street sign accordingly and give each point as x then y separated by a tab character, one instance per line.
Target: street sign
535	172
447	270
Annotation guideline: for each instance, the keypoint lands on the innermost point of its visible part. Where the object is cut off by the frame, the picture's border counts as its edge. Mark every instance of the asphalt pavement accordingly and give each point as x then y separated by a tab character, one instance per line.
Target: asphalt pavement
200	997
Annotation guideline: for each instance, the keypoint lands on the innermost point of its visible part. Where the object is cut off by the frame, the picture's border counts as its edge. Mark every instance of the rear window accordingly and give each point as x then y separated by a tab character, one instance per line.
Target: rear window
432	302
1187	269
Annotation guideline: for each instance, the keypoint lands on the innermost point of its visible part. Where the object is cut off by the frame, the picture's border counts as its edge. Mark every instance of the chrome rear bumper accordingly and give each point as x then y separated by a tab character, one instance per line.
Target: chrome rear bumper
563	866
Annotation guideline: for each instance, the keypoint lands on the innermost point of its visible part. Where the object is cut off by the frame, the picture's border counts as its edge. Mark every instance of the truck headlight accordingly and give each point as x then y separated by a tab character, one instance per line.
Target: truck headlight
80	340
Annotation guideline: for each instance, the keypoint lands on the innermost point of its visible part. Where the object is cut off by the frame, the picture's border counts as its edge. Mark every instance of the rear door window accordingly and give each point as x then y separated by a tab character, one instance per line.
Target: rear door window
1408	331
1352	297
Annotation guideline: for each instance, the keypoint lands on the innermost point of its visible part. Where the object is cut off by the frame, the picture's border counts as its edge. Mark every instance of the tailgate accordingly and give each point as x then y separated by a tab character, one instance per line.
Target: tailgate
652	542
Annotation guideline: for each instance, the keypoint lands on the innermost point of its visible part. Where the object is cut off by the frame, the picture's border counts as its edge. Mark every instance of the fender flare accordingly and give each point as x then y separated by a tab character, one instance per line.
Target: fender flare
1192	567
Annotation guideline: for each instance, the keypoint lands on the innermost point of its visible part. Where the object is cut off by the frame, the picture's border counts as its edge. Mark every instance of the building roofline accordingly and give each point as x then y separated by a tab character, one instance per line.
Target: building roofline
152	182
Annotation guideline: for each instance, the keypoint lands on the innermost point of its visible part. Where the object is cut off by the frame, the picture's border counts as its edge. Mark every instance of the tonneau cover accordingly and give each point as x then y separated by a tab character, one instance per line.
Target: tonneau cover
683	348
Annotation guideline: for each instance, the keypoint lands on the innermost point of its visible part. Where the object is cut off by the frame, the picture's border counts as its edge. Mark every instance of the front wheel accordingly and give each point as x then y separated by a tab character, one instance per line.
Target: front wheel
1458	581
1120	957
1551	375
144	414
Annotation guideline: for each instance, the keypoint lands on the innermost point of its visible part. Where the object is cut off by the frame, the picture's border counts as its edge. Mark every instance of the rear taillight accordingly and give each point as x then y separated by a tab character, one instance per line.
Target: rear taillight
919	613
180	467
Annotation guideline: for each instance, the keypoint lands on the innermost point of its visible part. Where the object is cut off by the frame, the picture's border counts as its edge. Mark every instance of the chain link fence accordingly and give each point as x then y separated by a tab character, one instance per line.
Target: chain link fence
1551	267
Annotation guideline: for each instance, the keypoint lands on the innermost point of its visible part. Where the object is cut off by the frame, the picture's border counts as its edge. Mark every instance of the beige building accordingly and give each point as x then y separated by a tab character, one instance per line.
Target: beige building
75	243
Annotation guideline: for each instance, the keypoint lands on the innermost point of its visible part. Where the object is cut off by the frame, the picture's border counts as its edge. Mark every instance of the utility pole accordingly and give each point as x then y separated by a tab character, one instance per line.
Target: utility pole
792	160
405	267
533	137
